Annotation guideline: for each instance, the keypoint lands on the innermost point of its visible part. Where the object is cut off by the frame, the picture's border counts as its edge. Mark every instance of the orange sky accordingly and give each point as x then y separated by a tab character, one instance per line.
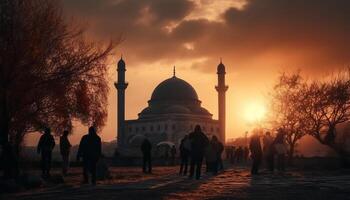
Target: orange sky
257	39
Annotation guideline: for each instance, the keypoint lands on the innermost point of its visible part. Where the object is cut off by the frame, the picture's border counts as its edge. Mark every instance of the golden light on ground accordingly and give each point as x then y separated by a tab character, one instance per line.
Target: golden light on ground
254	112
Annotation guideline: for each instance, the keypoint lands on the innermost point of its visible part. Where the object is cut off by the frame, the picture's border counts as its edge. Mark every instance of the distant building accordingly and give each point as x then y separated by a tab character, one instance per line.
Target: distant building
172	112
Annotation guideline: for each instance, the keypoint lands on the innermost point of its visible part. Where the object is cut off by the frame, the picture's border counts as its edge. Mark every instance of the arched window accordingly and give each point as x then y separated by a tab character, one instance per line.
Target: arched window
166	127
173	127
158	127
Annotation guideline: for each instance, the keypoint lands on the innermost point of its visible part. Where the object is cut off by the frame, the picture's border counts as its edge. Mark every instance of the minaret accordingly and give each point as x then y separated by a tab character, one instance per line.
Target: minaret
121	85
221	88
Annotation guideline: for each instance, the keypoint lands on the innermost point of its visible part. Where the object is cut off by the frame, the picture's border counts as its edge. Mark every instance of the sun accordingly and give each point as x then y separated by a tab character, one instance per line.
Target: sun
254	112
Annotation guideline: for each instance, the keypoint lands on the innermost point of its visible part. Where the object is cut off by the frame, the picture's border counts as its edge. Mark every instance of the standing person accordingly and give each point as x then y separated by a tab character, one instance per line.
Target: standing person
233	154
281	150
65	150
199	142
173	154
146	148
246	154
90	151
268	151
185	148
220	150
256	153
45	147
239	154
210	157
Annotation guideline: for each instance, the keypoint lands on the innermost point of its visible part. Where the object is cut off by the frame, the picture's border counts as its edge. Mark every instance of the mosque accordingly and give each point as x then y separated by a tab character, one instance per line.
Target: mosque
172	112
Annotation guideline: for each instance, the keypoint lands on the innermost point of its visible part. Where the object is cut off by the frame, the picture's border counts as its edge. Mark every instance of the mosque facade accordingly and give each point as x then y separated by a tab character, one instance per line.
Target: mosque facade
173	111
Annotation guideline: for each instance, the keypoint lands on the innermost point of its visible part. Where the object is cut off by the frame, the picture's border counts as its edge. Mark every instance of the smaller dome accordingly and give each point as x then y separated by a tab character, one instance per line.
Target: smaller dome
177	109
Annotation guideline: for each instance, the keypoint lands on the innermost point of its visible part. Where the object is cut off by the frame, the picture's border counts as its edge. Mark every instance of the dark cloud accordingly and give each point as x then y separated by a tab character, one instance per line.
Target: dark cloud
301	33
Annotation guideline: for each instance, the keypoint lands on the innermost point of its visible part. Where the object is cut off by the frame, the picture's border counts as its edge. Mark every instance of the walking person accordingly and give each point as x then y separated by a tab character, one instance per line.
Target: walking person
212	155
185	148
268	151
199	142
45	147
90	151
146	148
65	147
281	150
256	153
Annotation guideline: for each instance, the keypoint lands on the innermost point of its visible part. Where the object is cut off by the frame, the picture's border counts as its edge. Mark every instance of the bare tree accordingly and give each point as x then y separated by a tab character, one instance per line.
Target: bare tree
286	112
327	104
50	74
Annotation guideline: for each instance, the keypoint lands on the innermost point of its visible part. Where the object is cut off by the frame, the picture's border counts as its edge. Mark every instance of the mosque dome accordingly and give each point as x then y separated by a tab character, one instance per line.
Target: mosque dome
174	96
174	90
178	109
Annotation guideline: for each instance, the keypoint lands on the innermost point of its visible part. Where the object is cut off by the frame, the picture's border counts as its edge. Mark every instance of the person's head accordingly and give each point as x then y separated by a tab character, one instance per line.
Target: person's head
65	133
92	130
268	133
197	129
186	136
214	138
47	131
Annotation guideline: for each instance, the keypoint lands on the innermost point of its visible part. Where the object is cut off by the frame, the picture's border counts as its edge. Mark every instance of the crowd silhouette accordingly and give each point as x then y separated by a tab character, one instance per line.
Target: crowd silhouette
194	148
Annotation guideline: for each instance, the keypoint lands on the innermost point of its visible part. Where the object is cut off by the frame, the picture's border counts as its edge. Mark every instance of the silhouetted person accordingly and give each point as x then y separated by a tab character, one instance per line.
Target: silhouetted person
281	150
146	148
268	151
185	148
233	154
45	147
199	142
227	152
219	155
90	151
239	154
65	150
173	154
212	155
256	153
246	154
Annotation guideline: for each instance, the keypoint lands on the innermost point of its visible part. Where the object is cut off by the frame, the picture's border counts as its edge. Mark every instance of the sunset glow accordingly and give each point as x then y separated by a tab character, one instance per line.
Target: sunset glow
254	112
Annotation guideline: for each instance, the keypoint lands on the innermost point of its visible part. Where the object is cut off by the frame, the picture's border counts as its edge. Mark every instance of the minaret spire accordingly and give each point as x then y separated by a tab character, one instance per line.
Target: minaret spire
174	71
221	88
121	86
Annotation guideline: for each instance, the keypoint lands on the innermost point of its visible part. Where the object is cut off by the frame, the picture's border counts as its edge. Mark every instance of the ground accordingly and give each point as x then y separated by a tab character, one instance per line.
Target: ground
165	183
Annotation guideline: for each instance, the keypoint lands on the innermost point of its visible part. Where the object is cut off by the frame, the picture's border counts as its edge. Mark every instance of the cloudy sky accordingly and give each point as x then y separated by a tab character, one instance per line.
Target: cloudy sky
256	40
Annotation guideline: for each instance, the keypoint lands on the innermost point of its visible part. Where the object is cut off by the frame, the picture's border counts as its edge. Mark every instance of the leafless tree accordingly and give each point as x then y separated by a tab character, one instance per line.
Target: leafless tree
327	104
50	73
286	112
